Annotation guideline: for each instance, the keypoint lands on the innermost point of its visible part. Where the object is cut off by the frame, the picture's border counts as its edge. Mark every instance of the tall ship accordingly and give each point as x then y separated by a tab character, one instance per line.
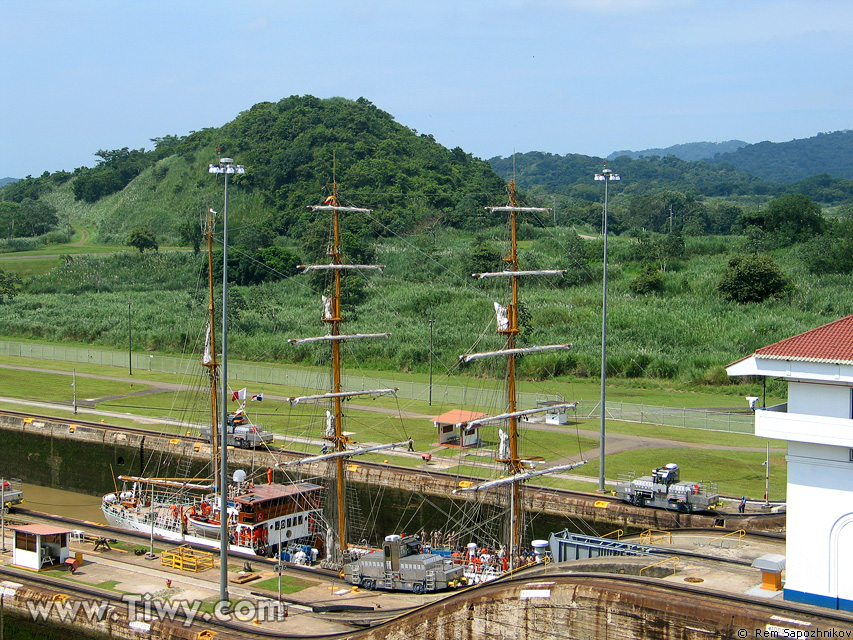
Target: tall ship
263	518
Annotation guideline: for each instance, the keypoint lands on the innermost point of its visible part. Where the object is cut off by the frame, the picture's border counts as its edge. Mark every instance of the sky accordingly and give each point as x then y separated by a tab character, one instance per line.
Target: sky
493	77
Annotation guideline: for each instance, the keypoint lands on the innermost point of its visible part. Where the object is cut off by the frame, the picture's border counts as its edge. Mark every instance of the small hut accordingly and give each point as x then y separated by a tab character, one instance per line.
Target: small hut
38	546
452	430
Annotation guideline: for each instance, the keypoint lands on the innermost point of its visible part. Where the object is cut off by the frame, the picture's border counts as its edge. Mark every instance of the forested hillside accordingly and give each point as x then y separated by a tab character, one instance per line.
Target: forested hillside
292	151
689	151
790	162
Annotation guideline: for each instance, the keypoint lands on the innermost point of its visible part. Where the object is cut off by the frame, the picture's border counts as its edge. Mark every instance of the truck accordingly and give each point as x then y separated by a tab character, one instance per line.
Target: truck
665	489
402	565
241	433
13	493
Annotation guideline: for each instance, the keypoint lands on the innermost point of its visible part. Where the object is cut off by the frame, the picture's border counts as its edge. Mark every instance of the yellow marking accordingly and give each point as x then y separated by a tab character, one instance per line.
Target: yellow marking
601	504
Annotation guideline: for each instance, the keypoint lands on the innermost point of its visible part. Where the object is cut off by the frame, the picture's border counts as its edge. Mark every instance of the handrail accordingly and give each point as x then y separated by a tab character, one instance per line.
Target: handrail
618	533
740	534
674	560
647	534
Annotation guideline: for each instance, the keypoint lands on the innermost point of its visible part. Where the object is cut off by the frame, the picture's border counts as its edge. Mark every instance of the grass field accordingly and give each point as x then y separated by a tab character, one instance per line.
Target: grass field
736	469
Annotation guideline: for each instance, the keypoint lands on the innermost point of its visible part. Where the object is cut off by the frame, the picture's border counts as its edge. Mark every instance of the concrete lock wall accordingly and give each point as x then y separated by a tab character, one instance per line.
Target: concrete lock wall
87	459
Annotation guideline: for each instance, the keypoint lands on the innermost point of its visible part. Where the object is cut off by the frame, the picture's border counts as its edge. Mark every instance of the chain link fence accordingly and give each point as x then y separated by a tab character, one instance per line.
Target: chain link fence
714	420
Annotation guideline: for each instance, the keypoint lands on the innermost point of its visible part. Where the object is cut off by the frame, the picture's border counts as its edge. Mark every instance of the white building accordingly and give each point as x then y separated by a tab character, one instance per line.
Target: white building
818	426
39	546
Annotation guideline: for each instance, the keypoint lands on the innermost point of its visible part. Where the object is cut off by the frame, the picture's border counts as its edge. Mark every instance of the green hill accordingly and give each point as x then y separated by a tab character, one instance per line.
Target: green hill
789	162
687	151
292	151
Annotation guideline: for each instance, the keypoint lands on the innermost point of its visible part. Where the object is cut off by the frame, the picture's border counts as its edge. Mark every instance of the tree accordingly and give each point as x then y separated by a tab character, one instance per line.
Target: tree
142	238
795	218
10	285
189	233
753	278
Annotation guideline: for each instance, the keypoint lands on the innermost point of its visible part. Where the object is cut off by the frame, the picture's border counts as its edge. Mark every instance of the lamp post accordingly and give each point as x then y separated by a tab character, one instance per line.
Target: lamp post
606	175
430	361
225	167
766	464
129	343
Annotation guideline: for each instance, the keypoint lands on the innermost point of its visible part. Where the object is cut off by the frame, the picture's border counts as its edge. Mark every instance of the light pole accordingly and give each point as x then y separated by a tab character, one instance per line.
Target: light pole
766	464
3	513
430	361
606	175
226	167
129	343
767	477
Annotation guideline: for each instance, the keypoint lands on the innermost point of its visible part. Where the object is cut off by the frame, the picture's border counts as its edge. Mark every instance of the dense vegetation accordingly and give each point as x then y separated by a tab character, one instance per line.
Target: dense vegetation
789	162
687	151
707	264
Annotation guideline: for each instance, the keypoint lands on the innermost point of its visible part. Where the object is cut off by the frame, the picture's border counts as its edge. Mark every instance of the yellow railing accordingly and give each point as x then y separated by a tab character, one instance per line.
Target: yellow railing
673	559
186	558
648	536
618	533
740	533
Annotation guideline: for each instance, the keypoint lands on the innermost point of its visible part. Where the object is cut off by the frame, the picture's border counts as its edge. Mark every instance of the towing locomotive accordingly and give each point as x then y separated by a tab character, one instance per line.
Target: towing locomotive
401	565
665	490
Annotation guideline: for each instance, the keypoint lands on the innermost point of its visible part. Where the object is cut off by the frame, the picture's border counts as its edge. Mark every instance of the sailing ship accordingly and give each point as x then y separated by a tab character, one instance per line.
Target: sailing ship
516	468
262	518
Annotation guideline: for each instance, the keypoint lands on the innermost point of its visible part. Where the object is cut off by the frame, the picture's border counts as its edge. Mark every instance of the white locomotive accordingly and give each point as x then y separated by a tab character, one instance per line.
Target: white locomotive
402	566
665	490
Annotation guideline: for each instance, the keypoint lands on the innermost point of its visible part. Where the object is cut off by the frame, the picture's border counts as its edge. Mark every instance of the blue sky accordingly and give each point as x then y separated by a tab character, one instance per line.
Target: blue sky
490	76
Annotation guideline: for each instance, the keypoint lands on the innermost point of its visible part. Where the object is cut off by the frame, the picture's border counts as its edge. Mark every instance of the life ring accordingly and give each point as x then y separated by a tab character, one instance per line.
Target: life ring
260	516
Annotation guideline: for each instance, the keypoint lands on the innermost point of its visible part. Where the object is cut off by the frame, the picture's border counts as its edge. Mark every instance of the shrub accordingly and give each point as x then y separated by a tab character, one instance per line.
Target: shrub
753	278
649	280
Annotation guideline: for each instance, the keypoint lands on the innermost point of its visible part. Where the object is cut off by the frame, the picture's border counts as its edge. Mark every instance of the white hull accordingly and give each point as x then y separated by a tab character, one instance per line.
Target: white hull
131	521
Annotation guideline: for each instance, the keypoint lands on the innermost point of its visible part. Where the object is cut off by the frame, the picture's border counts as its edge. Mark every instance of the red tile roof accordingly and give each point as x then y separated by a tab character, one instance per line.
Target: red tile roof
832	342
38	529
455	416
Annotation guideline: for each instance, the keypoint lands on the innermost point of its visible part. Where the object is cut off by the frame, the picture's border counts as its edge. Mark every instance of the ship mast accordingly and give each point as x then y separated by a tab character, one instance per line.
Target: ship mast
209	356
513	463
333	318
338	442
507	322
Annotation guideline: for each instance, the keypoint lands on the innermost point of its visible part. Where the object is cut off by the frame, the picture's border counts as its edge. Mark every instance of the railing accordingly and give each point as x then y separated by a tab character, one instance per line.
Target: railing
740	533
618	533
649	536
673	560
186	558
731	421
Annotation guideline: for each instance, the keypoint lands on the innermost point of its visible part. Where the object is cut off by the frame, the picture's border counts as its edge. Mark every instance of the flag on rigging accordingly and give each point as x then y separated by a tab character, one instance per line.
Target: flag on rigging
239	395
258	396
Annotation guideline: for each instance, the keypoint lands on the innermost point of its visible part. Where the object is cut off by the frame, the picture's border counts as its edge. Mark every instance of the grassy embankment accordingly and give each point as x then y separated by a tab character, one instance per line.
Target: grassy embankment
737	471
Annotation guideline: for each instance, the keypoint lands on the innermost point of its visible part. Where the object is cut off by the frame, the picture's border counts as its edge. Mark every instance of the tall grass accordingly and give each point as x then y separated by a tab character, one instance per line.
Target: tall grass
687	332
